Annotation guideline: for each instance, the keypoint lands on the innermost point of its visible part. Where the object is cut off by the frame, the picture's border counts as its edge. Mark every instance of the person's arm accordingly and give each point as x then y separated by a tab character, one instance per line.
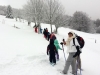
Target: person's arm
48	49
59	47
64	42
55	49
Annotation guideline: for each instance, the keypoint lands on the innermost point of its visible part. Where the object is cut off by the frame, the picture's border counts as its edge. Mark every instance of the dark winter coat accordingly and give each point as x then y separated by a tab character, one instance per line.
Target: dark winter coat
51	49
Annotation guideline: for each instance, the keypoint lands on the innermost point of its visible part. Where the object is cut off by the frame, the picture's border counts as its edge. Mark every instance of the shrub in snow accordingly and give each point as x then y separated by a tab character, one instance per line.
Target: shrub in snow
9	13
80	21
98	30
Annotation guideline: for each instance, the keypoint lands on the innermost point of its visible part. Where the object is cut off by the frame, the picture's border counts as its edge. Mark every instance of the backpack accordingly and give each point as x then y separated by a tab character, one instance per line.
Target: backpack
80	41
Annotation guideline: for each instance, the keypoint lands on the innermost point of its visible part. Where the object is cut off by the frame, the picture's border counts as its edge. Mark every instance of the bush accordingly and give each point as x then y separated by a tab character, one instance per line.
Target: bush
98	30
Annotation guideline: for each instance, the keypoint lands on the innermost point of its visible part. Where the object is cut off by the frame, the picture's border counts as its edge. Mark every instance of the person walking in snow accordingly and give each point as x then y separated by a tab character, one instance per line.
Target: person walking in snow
51	51
44	32
78	58
56	43
36	30
48	36
40	30
71	49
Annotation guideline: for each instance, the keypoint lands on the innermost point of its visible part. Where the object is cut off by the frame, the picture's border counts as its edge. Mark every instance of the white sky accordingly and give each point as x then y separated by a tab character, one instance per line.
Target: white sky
91	7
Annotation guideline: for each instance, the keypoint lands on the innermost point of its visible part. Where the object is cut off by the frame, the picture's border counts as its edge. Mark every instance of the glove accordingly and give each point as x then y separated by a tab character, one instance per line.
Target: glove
61	43
77	47
76	54
63	40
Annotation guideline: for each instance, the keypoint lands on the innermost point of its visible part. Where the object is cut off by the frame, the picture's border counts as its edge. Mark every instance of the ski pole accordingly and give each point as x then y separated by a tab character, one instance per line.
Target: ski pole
79	64
64	53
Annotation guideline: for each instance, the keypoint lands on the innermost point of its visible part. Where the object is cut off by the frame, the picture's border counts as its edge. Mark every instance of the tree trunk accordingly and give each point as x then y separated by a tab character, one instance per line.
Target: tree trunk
16	19
51	27
56	30
34	25
38	28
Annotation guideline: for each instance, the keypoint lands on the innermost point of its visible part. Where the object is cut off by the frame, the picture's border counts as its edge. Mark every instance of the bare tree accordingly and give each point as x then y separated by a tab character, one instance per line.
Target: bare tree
18	13
34	11
61	20
3	10
28	12
52	10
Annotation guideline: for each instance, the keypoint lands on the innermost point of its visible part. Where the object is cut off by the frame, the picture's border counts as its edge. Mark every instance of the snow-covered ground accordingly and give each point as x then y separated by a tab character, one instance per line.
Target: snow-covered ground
23	52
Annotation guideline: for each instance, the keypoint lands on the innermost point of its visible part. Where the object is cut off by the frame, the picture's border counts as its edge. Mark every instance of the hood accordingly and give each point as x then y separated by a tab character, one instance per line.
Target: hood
56	42
73	34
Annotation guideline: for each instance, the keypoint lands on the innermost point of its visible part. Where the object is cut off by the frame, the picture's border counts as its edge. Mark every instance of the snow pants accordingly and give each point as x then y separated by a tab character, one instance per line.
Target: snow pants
70	61
52	58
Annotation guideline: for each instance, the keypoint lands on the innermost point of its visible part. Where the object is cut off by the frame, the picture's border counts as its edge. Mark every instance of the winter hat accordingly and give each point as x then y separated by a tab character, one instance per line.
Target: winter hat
70	38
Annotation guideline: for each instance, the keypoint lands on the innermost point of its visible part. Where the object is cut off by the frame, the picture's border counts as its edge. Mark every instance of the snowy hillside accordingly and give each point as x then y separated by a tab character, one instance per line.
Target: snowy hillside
23	52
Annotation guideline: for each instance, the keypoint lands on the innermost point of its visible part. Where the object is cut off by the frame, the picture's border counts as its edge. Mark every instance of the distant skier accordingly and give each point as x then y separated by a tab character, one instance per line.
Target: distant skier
48	36
36	29
51	51
44	32
56	43
40	30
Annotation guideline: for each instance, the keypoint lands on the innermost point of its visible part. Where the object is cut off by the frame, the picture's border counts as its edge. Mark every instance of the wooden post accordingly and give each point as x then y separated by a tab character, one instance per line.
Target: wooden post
95	40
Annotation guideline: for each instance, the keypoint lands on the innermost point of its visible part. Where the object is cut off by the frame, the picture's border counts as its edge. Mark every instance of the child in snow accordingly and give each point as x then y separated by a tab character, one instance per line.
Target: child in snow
56	43
40	30
51	50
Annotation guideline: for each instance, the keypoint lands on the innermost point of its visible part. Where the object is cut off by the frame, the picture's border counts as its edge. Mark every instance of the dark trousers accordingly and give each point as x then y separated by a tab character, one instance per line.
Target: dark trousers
52	58
57	55
48	37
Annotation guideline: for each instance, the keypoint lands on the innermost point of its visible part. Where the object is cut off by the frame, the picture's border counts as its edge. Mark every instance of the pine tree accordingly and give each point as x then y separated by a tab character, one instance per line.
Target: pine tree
9	13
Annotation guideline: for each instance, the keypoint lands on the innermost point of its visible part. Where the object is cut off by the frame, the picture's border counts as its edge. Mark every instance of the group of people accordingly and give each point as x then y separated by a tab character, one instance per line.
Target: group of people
73	49
48	35
38	30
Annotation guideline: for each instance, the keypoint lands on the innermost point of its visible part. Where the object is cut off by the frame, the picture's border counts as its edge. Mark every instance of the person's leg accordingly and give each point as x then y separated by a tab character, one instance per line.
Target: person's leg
73	64
50	58
79	62
57	56
68	62
48	37
54	59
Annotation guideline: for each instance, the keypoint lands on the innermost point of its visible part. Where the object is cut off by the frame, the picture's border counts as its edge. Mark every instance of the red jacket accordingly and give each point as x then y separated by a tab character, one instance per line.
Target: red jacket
36	29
